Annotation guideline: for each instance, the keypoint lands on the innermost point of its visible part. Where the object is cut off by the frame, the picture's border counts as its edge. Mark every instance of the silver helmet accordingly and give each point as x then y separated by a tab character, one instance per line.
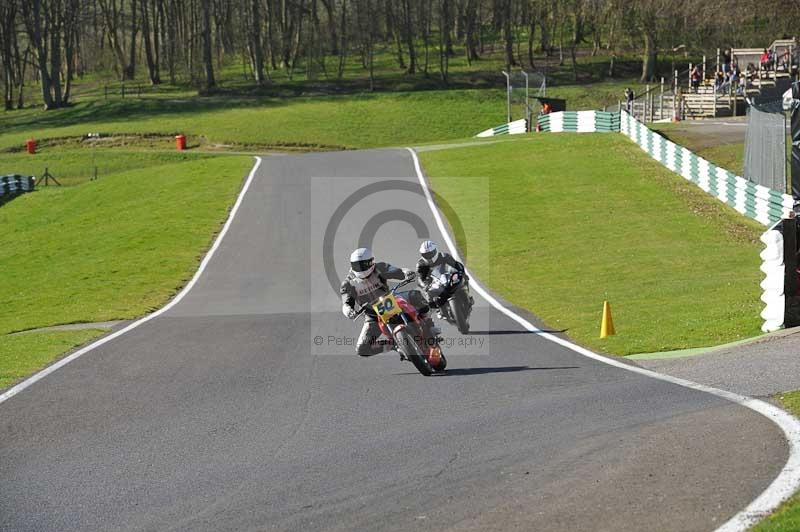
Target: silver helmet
362	262
429	251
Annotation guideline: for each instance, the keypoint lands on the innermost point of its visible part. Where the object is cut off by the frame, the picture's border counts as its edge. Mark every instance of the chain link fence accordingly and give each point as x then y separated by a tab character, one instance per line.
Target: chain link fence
523	89
765	147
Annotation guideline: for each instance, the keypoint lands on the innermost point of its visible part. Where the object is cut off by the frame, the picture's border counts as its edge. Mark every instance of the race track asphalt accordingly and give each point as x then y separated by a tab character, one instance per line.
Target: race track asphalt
224	413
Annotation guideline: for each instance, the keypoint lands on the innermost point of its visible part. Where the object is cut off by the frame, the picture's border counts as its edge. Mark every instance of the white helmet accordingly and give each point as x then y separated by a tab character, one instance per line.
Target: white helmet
362	262
429	251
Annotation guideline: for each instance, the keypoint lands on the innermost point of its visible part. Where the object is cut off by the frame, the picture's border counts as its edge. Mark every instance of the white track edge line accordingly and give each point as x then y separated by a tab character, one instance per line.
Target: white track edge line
781	488
66	360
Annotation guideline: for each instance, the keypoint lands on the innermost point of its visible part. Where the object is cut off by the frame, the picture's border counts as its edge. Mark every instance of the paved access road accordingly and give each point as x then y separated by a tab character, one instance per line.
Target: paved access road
223	414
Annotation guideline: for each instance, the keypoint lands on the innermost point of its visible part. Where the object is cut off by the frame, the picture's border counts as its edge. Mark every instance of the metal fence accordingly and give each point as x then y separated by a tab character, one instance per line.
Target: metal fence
523	87
765	145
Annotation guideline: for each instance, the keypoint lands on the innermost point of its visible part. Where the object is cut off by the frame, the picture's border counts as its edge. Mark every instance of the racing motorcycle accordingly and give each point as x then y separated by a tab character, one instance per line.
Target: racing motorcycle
399	323
451	291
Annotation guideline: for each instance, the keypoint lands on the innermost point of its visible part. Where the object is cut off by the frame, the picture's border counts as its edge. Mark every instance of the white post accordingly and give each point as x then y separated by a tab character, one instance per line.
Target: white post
527	107
661	101
691	69
714	96
675	96
704	69
508	95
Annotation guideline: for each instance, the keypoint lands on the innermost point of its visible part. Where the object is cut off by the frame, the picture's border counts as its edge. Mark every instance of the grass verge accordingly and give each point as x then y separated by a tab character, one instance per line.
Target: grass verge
24	354
115	248
567	232
787	517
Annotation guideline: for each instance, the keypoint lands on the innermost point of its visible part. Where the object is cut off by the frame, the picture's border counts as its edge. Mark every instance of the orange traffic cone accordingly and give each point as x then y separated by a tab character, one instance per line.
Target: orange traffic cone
607	324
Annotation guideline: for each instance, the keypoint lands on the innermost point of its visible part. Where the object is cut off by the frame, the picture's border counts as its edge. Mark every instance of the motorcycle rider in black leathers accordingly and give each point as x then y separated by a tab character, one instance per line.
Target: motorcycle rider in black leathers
366	282
434	262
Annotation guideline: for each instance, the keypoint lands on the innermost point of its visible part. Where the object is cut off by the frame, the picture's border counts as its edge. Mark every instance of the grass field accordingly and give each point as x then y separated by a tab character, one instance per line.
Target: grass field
579	219
114	248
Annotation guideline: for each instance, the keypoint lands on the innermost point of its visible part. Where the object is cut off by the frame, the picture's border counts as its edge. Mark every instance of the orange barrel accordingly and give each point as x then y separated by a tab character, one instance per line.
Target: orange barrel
30	144
180	142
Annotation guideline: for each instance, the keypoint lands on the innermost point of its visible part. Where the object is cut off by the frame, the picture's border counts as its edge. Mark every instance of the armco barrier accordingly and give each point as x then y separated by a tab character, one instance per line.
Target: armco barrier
12	185
512	128
579	122
754	201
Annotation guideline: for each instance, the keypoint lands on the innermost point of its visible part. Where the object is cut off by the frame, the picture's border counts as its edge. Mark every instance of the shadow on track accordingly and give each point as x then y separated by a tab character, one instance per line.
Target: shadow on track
503	332
501	369
486	370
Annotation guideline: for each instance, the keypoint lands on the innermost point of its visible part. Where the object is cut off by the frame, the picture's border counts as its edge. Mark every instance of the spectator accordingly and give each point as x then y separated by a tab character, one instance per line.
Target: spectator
546	108
783	61
726	62
696	76
747	77
765	60
629	97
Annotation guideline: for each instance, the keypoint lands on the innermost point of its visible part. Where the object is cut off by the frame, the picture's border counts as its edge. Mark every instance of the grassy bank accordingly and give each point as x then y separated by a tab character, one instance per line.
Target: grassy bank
579	219
72	166
787	517
115	248
322	122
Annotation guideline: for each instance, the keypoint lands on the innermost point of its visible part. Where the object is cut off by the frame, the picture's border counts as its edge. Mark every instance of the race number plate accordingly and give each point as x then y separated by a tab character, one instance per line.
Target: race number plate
387	307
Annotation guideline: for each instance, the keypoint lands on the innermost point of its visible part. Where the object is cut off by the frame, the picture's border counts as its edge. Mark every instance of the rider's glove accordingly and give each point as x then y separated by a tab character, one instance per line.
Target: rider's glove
351	314
410	276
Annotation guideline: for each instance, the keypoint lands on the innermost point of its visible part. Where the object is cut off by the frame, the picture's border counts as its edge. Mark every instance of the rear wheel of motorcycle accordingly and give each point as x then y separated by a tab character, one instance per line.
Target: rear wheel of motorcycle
459	313
411	350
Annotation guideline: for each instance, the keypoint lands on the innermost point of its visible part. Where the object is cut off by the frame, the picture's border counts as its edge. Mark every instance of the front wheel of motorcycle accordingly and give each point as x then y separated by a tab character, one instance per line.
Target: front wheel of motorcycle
411	350
440	367
459	313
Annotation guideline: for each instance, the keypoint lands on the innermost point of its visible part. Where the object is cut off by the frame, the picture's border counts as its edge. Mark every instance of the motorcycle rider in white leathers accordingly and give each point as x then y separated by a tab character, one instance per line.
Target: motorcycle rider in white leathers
367	281
431	264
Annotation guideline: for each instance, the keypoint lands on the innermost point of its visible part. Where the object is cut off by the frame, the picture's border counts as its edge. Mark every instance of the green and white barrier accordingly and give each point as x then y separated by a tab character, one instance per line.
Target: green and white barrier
12	185
579	122
754	201
512	128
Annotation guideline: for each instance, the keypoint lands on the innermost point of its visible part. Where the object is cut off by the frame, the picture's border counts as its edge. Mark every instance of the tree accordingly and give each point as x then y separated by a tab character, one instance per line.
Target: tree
150	37
256	44
47	22
208	60
8	43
